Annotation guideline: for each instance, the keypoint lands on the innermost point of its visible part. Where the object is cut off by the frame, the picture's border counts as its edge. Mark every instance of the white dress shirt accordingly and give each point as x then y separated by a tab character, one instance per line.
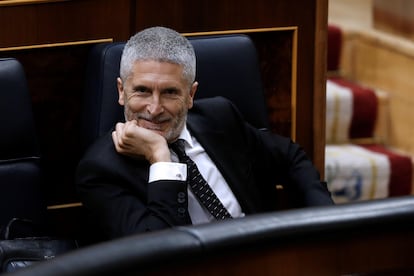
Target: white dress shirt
209	171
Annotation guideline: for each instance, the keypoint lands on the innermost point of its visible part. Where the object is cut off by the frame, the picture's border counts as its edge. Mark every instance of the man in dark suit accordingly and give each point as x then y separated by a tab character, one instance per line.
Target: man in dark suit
131	181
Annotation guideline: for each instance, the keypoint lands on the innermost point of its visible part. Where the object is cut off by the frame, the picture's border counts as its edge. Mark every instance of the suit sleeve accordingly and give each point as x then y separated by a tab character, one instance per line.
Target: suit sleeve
290	166
269	160
115	192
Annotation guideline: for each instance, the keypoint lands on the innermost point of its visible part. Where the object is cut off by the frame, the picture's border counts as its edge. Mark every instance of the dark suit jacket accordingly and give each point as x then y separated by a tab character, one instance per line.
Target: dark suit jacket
115	190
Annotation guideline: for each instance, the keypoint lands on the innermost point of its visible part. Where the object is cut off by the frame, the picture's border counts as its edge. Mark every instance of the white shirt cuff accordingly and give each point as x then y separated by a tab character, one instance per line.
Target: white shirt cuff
167	171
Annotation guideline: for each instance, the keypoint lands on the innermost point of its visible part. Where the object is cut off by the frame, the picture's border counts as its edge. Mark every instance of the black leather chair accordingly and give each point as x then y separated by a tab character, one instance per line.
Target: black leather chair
229	245
227	66
20	170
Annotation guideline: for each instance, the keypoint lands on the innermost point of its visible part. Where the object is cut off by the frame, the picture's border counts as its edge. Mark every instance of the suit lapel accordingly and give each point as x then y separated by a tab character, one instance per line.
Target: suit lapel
233	164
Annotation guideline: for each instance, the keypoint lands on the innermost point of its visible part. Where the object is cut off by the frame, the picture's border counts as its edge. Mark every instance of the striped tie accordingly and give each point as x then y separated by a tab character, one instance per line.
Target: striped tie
198	185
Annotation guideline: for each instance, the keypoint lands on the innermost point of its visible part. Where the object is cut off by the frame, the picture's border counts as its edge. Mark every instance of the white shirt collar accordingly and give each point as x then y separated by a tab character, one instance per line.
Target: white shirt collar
186	136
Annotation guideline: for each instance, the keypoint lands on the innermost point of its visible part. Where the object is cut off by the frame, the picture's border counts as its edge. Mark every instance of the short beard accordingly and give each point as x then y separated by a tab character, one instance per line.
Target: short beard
177	123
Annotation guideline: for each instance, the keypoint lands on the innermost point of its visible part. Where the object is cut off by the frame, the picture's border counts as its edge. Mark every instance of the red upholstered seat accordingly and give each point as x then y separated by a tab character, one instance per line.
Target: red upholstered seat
364	111
334	47
363	102
401	170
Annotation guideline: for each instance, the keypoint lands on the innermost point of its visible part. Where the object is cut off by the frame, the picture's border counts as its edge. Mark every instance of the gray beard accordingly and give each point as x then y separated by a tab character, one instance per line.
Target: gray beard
172	134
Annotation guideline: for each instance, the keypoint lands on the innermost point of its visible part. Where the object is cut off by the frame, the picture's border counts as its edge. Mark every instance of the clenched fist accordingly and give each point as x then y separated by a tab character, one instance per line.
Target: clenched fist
133	140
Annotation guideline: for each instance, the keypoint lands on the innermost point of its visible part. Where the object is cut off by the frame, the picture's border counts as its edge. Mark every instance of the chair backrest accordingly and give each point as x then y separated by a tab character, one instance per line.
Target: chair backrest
227	66
248	245
20	172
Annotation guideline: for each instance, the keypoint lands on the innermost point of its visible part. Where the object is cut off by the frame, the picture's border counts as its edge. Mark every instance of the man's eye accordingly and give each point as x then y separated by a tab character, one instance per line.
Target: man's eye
171	91
141	90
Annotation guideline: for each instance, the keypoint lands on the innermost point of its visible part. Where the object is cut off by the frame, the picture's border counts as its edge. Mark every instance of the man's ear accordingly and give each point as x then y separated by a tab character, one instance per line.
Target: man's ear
193	90
120	91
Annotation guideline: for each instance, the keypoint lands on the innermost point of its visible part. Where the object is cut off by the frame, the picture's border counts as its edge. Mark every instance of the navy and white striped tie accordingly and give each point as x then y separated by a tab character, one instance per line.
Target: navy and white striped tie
199	185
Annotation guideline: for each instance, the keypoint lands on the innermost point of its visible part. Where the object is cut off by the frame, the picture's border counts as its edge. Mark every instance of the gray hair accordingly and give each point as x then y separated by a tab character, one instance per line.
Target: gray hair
159	44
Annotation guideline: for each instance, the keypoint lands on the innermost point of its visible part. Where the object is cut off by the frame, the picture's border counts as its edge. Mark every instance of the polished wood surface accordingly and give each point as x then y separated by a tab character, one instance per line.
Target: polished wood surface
373	253
394	16
63	21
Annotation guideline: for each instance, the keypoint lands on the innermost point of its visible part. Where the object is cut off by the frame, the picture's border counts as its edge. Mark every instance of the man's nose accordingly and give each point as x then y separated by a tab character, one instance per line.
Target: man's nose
154	107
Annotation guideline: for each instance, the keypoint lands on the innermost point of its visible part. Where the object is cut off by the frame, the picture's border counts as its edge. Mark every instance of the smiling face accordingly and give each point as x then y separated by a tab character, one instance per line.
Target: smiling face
157	96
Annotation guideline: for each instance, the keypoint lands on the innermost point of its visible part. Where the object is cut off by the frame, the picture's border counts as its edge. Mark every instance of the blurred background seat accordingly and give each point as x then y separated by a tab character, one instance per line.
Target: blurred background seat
20	168
360	162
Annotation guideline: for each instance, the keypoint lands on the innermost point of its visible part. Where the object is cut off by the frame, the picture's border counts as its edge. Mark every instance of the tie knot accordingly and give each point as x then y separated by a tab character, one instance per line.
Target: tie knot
178	147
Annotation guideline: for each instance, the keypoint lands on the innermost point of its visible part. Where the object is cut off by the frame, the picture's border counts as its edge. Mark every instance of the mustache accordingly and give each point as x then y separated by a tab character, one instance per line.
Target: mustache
155	119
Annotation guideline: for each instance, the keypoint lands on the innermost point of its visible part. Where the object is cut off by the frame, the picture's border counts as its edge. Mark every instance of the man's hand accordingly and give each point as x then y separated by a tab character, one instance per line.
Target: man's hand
132	140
